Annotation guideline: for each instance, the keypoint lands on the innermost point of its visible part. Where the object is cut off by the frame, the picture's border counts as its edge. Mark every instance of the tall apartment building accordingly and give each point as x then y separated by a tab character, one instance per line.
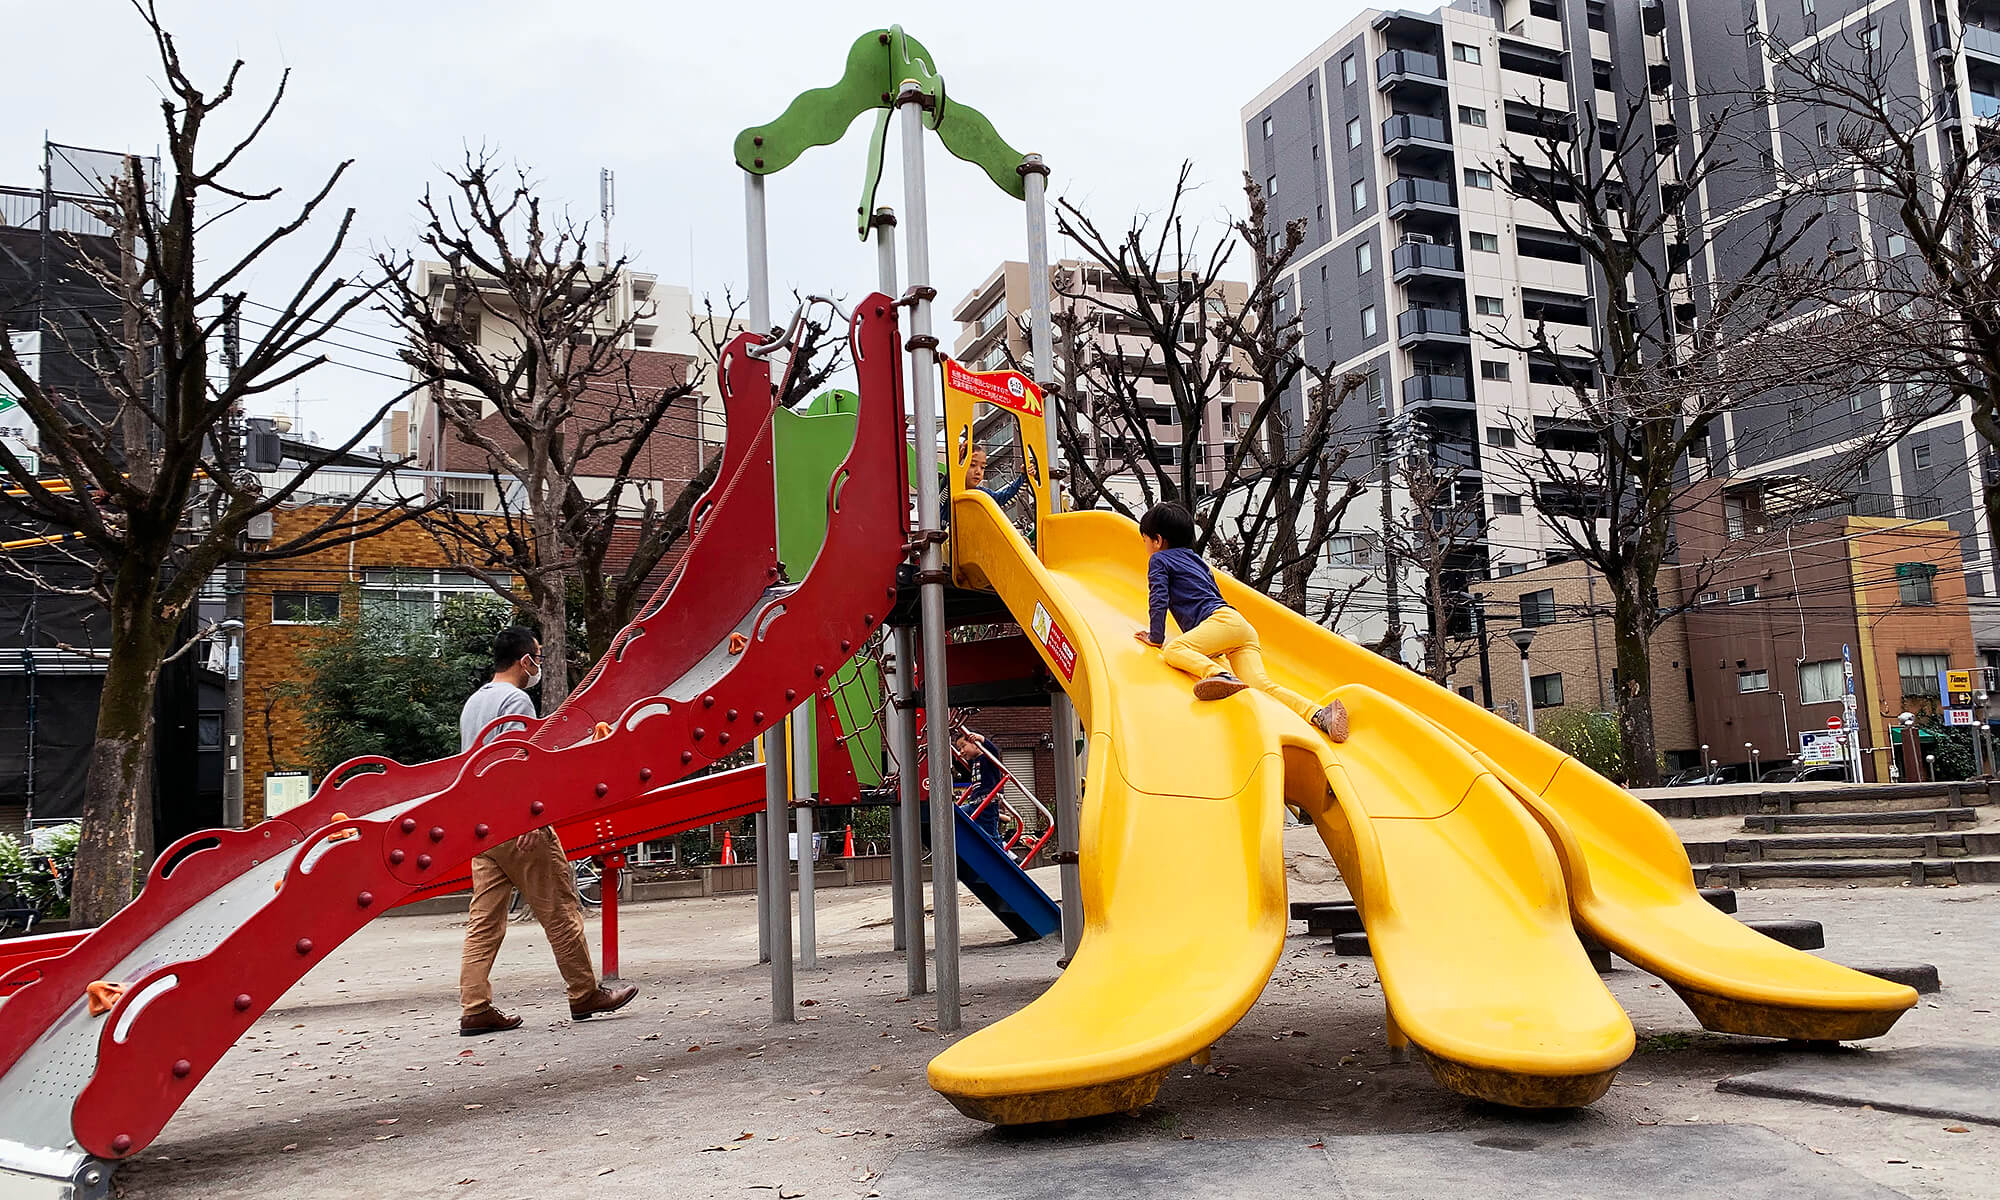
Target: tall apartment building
1384	142
661	350
992	322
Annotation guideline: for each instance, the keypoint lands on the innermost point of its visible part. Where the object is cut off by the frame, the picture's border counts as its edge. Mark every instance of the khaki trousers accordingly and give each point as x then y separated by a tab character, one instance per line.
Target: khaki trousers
1227	636
535	864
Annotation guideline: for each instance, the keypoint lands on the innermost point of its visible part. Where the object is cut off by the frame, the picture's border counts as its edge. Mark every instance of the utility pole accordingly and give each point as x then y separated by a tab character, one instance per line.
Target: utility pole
1485	661
233	625
1392	636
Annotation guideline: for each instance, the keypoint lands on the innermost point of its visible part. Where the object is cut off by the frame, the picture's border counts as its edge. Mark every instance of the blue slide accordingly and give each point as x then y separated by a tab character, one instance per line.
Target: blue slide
985	867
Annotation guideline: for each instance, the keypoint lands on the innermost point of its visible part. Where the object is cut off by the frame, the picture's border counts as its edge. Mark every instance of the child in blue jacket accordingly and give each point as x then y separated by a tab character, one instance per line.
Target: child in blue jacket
1180	583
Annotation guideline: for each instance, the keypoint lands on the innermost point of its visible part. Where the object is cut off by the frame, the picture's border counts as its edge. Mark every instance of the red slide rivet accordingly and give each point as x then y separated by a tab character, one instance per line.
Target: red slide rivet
603	788
645	773
535	809
437	833
409	824
365	899
243	1002
182	1067
480	830
303	945
396	857
423	862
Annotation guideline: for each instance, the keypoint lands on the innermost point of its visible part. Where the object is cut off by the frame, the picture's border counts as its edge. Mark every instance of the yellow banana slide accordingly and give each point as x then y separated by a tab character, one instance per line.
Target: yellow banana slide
1470	846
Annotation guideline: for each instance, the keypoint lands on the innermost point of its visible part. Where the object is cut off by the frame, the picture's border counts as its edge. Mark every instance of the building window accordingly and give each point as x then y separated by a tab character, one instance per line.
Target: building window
1820	682
1538	608
1360	194
1347	70
1898	245
1500	436
1807	7
1505	505
1478	180
1271	186
1347	550
305	608
1920	455
1267	127
208	731
1354	133
1364	258
1488	242
414	596
1914	582
1753	681
1490	306
1738	595
1468	115
1547	690
1871	37
1919	673
1493	370
1466	691
1368	321
1464	53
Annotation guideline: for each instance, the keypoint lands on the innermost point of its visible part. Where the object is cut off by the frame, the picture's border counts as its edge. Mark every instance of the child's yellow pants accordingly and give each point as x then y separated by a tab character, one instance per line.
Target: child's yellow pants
1225	635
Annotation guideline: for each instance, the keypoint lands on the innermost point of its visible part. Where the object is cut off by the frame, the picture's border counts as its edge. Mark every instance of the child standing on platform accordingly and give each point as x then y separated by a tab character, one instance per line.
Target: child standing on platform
1179	582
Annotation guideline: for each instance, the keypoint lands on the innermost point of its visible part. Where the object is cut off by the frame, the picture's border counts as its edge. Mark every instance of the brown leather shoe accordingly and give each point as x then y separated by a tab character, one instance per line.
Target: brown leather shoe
603	1000
486	1020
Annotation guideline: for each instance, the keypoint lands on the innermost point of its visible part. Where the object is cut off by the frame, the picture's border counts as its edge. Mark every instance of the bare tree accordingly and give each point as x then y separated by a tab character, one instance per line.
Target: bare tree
1158	353
1671	351
1857	137
151	494
527	354
1437	537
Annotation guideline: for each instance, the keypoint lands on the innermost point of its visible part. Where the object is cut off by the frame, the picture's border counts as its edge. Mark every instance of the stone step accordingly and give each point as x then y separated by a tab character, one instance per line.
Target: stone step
1873	799
1914	820
1329	919
1885	872
1824	846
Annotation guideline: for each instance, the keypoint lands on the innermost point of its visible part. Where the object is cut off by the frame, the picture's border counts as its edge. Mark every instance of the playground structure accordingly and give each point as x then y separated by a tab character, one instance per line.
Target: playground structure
1474	851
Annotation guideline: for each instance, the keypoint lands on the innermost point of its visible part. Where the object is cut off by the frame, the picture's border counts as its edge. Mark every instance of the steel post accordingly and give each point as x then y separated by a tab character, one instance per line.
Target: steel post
1062	712
937	698
772	859
909	795
1527	692
763	890
884	225
607	886
803	775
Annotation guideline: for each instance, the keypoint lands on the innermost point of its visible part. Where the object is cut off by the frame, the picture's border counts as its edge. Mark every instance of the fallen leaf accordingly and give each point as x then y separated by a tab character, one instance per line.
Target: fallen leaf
289	1147
785	1193
743	1137
692	1049
472	1107
1956	1129
1316	1145
601	1133
463	1182
388	1120
1817	1150
1897	1161
606	1170
808	1003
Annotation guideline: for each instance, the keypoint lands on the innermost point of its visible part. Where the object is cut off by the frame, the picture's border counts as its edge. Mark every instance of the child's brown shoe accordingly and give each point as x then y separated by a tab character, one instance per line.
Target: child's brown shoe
1332	721
1218	686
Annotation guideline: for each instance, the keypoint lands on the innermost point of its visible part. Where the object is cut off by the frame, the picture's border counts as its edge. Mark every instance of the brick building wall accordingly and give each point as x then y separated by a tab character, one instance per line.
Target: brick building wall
1570	612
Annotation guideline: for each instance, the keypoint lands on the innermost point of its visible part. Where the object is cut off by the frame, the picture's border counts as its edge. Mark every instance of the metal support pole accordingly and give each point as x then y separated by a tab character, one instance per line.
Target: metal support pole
1062	712
772	859
1485	662
909	795
777	792
904	754
883	222
937	703
803	775
763	891
607	884
232	698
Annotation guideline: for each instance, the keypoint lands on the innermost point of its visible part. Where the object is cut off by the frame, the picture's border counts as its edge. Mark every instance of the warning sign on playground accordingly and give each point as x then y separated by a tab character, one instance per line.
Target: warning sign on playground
1055	641
1009	389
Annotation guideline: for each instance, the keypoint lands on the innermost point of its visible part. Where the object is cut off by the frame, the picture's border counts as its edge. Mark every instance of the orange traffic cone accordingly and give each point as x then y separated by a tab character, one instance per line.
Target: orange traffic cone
728	850
847	851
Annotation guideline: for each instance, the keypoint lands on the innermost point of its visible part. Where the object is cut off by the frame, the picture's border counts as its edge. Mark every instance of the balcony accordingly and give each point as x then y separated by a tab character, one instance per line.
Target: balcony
1426	258
1415	133
1437	389
1430	325
1984	42
1455	456
1985	107
1653	16
1415	193
1400	68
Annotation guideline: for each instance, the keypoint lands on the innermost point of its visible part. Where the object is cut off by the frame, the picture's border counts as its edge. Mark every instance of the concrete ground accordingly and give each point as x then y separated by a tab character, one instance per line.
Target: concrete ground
358	1085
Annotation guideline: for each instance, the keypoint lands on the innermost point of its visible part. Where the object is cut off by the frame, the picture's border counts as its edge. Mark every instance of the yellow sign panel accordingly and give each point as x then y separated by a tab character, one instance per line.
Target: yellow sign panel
1958	681
968	428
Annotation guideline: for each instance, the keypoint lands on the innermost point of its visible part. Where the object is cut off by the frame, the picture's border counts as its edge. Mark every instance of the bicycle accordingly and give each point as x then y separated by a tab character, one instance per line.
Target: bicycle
589	881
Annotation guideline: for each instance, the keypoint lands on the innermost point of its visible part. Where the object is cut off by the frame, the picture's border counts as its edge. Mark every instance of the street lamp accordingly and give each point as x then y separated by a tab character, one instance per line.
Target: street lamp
1909	723
1524	638
1755	777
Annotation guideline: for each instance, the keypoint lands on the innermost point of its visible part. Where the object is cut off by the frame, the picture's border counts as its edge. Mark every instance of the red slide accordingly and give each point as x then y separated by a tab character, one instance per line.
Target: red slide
230	919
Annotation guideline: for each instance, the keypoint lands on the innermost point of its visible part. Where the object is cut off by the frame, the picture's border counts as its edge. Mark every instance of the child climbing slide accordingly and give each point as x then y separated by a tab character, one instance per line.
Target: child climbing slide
1213	633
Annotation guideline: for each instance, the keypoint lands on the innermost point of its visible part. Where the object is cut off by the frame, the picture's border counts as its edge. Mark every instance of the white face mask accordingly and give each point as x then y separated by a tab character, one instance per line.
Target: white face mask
534	679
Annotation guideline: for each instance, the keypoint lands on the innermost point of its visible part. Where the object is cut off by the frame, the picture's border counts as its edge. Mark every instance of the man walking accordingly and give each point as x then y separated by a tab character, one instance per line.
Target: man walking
533	862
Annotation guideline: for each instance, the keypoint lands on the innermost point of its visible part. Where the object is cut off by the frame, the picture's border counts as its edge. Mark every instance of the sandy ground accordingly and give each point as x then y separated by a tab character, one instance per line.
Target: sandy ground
358	1085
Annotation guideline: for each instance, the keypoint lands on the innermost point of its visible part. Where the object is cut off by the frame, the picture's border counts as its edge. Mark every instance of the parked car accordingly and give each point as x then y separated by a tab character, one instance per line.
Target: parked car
1723	773
1815	773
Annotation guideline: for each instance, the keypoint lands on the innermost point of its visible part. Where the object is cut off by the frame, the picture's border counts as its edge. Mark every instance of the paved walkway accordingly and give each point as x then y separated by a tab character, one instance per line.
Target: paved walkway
359	1085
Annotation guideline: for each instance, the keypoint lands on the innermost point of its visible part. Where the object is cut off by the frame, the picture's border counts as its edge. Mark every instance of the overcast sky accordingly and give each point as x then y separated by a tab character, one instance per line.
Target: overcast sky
1114	96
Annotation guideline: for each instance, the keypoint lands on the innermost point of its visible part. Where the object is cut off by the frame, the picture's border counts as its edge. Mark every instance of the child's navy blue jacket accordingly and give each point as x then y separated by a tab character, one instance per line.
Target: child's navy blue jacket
1180	583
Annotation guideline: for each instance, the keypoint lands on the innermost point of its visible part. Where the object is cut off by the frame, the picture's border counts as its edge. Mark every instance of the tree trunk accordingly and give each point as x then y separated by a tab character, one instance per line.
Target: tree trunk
1439	668
601	622
117	791
1638	747
553	613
